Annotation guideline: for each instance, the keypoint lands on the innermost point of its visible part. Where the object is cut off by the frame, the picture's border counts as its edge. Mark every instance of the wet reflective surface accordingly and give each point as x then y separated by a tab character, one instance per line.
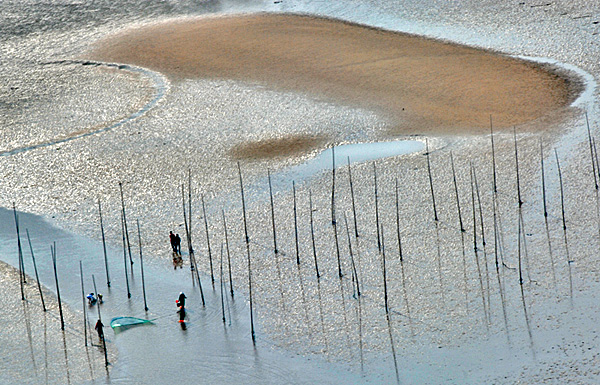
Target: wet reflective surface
308	329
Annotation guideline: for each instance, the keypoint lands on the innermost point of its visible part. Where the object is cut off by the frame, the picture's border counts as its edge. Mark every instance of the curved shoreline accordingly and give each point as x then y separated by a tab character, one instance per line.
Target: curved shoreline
159	83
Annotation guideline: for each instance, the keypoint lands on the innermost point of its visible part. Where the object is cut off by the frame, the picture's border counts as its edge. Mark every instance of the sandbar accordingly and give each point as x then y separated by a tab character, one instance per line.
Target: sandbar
420	84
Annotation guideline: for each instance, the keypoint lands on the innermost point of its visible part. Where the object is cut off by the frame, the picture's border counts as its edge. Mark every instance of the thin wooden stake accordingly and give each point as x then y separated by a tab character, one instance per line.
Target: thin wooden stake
62	319
596	191
212	276
376	208
296	224
20	250
312	233
400	254
125	256
431	181
352	256
544	179
221	285
337	250
228	253
500	286
104	244
272	213
37	277
193	264
591	151
125	224
564	221
485	259
493	155
83	302
352	196
475	250
100	319
333	185
142	266
517	168
385	291
525	313
188	236
462	233
248	253
460	221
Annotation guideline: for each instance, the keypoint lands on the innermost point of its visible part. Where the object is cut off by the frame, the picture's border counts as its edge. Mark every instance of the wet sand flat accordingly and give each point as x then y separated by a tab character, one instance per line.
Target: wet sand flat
423	85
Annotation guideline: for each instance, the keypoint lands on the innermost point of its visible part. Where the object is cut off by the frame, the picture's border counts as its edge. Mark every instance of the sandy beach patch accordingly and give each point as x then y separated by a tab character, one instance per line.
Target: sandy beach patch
422	85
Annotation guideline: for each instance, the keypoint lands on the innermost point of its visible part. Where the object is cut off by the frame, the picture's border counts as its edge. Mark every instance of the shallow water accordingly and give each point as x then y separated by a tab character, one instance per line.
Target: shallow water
304	325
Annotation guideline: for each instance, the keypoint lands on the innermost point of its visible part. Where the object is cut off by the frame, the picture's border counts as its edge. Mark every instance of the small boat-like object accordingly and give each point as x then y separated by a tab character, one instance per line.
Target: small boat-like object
123	323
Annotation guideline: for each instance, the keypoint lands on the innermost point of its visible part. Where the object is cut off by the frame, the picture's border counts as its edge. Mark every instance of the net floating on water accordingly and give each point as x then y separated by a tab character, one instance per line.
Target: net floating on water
123	323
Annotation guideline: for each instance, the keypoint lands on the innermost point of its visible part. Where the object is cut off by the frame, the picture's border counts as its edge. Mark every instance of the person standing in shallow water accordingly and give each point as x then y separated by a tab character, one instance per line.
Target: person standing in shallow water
173	240
177	244
99	326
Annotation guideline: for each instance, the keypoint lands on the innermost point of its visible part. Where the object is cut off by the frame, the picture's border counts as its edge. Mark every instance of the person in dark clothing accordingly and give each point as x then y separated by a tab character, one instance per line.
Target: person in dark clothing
181	299
173	240
177	244
99	326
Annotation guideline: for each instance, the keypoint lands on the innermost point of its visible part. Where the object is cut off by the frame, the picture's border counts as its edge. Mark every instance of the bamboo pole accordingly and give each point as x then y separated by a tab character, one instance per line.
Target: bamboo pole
376	208
595	160
272	214
190	201
193	265
546	214
228	253
525	313
104	244
188	236
476	251
387	310
296	225
37	277
248	253
483	243
142	266
462	233
460	221
431	181
125	256
591	151
355	273
564	221
212	277
125	224
83	303
337	250
517	169
500	286
62	319
493	156
20	250
333	185
312	233
353	202
100	319
221	286
400	254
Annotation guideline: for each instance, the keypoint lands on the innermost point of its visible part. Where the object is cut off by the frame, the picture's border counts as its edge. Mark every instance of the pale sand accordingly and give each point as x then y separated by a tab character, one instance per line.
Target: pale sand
421	85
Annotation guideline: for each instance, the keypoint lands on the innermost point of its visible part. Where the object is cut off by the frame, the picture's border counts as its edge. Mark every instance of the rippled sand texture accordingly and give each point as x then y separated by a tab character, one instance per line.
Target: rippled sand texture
425	85
34	339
